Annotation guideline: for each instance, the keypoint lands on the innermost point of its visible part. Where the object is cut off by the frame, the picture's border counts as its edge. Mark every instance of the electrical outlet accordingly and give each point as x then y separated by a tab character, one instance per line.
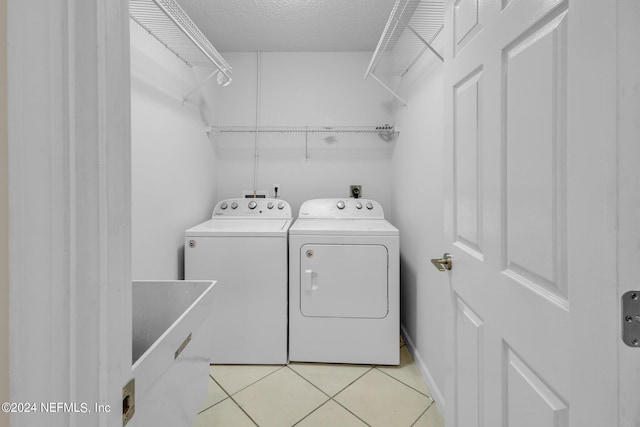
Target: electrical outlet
355	191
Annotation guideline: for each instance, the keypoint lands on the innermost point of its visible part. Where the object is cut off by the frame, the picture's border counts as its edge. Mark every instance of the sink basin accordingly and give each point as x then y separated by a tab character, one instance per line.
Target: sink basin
171	349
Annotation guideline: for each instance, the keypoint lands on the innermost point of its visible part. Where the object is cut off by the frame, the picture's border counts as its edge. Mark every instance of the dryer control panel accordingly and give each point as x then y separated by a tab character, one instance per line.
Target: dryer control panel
346	208
252	208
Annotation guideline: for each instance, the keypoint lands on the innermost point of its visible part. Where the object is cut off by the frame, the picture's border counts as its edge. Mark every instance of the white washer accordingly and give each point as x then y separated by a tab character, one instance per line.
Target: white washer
344	302
244	247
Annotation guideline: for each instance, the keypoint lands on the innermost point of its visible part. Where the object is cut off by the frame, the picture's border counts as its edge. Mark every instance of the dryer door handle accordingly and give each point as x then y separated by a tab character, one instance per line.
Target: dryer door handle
308	280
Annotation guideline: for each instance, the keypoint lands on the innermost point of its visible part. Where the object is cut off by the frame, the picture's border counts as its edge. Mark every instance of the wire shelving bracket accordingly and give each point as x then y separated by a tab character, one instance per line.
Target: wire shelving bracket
411	28
171	26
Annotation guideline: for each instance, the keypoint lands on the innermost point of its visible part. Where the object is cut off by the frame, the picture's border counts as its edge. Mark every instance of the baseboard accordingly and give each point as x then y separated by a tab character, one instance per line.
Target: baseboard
436	393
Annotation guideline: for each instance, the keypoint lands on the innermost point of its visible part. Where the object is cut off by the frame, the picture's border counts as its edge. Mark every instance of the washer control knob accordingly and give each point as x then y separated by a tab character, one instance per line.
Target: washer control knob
252	204
340	204
359	205
223	205
369	205
234	205
281	205
270	205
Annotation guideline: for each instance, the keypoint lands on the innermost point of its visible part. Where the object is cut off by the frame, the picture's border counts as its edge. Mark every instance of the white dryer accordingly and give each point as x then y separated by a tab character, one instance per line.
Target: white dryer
244	247
344	302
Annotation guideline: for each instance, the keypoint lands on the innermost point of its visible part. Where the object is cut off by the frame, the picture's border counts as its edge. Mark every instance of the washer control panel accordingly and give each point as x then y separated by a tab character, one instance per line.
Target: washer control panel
252	208
341	208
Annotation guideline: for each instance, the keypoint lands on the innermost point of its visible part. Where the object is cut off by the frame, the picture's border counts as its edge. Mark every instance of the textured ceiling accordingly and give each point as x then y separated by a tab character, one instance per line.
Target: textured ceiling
290	25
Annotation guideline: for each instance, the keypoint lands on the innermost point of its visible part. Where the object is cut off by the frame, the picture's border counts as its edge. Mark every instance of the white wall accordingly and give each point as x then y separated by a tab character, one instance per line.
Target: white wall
173	161
418	213
298	89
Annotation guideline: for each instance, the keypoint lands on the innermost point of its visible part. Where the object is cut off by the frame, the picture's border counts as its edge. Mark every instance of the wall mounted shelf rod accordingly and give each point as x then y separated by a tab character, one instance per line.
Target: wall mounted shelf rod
379	130
385	132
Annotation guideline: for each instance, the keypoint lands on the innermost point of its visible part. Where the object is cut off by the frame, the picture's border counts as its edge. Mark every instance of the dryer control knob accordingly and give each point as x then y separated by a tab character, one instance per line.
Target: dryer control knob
340	204
252	204
270	205
223	206
234	205
359	205
369	205
280	205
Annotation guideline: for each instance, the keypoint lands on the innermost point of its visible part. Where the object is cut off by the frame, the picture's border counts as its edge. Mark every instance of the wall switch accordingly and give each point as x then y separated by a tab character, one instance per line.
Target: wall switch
355	191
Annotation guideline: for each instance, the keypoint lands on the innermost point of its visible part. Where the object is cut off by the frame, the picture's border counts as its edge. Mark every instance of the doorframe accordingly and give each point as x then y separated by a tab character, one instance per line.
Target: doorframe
628	251
4	218
69	207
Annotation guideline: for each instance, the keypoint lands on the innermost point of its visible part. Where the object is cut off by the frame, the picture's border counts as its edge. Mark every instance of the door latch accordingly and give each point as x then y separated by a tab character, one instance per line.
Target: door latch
443	264
631	318
128	401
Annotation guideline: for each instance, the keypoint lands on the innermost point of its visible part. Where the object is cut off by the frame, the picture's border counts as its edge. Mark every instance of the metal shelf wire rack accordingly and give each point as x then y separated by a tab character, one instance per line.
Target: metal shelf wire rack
379	130
411	28
386	132
171	26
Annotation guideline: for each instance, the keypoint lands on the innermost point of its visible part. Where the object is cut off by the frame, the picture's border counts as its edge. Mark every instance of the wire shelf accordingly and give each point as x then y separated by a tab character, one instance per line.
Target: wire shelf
378	130
386	133
171	26
411	28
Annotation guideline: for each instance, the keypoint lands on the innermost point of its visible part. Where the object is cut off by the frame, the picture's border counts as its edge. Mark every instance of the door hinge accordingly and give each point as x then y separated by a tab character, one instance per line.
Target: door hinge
631	318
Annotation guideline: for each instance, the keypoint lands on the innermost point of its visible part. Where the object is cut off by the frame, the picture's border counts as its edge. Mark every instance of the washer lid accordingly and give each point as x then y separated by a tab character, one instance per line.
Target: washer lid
241	227
343	227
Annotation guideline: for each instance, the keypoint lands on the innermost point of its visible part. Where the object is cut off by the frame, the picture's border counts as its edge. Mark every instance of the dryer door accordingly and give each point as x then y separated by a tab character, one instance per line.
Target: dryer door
344	281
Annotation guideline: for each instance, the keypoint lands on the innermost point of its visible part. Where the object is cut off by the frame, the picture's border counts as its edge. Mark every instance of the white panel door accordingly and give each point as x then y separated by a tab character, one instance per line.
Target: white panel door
522	213
348	281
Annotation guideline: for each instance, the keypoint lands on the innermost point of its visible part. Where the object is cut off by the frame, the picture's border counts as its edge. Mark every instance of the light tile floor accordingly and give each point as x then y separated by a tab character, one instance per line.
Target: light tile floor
319	395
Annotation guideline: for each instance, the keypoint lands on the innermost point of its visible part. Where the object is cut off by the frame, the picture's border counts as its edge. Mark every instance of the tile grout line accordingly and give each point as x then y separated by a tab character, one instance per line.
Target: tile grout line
349	411
423	412
339	391
249	385
403	383
314	410
245	412
376	368
315	386
221	388
230	396
331	398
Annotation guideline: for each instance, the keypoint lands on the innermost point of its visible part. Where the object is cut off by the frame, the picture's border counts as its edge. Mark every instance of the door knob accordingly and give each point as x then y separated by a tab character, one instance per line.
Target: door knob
443	264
